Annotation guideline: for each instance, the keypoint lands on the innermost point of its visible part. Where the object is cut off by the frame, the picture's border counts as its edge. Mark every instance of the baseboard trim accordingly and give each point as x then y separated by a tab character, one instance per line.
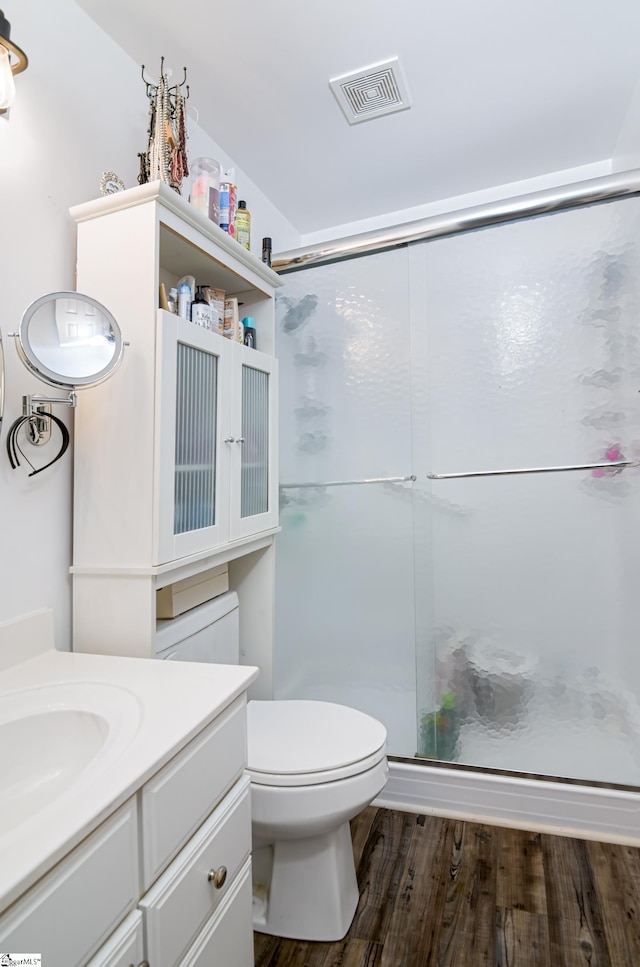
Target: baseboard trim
586	812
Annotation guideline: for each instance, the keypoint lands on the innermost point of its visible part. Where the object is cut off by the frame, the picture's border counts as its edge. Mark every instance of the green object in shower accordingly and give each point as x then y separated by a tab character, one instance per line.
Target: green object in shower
439	731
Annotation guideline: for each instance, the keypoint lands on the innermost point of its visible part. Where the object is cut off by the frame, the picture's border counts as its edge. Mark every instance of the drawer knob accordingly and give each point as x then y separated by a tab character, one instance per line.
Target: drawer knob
217	877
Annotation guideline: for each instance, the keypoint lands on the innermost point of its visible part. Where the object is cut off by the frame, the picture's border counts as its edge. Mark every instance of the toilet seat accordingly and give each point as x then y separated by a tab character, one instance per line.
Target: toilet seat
303	743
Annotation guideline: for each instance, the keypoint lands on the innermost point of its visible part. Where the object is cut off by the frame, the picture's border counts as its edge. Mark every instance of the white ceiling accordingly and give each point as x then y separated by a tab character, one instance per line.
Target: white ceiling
502	90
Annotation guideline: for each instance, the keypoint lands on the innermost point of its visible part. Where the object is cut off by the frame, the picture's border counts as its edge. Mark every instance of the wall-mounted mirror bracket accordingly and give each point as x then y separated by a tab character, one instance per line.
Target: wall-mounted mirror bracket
37	409
38	425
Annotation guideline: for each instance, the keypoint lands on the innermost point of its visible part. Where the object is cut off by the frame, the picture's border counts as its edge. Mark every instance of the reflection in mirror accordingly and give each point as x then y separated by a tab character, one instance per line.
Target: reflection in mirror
69	339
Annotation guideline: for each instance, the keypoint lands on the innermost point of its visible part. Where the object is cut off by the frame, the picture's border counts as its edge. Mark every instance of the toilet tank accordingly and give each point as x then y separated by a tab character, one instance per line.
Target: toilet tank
208	633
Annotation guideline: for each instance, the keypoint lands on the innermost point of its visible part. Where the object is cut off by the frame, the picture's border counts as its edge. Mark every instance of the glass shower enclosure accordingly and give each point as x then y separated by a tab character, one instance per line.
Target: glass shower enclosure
488	617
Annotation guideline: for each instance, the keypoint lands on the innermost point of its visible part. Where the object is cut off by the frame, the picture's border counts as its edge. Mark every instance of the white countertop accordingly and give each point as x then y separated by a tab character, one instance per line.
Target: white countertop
167	702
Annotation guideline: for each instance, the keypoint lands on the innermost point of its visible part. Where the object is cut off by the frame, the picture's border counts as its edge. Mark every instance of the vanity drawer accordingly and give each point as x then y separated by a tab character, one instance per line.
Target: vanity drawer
183	900
207	768
228	937
71	910
125	947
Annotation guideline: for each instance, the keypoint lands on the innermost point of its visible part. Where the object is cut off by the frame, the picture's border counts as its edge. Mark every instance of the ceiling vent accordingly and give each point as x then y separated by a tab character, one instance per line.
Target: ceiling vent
371	92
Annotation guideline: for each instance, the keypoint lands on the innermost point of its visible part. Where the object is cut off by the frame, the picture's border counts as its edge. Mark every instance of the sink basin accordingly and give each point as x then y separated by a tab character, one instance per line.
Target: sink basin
54	738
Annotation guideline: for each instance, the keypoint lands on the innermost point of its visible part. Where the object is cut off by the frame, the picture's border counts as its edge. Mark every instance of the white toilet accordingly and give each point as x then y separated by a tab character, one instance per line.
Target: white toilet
313	767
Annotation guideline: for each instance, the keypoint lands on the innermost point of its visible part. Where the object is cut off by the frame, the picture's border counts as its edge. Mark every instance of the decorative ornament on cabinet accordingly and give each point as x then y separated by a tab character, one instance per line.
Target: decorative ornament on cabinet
110	183
69	341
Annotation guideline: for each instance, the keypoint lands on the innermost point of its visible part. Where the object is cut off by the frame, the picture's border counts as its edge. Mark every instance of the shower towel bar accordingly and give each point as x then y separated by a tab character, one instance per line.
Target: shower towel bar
346	483
609	465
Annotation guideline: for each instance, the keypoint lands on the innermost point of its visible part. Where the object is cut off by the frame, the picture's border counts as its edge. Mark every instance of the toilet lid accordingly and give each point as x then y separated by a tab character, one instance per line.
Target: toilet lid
305	742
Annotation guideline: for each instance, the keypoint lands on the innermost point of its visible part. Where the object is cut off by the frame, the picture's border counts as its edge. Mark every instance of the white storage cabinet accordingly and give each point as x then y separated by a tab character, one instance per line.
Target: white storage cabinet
176	455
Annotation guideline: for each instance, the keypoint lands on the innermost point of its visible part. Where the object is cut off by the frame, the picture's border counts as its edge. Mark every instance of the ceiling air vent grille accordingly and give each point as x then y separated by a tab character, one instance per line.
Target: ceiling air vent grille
371	92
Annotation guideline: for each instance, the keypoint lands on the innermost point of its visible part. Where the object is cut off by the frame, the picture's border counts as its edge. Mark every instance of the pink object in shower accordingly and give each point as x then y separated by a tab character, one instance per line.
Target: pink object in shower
613	453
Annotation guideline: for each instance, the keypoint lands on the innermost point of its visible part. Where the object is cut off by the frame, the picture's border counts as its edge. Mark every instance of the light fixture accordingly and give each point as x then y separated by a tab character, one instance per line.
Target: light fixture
8	67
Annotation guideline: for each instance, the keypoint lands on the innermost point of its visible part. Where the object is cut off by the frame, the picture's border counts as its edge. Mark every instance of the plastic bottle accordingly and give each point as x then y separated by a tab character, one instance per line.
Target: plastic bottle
184	300
228	201
201	310
266	251
243	224
173	300
205	187
248	325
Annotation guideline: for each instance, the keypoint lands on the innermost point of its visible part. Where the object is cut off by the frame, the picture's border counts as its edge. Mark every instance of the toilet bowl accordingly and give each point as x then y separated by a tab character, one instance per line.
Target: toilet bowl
313	767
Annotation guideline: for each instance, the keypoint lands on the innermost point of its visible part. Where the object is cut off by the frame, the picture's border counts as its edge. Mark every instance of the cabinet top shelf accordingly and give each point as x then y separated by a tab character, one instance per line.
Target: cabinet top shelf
157	191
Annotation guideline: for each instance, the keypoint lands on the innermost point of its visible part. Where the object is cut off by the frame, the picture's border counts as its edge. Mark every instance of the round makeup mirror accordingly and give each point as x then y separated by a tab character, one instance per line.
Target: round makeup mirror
69	339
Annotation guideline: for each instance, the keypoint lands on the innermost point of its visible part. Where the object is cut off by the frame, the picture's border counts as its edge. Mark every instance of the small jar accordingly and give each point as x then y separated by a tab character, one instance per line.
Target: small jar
205	187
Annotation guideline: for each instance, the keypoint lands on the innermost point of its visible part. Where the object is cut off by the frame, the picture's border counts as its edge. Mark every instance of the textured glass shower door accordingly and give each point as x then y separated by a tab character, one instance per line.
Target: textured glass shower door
489	621
528	658
344	560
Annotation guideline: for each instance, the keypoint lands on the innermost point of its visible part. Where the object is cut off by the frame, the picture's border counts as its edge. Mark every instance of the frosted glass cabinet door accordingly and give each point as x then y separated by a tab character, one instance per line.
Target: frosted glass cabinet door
193	476
254	485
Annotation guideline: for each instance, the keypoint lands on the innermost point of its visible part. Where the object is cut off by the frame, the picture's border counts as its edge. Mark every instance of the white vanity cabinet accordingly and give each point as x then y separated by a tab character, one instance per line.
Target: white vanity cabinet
175	457
165	879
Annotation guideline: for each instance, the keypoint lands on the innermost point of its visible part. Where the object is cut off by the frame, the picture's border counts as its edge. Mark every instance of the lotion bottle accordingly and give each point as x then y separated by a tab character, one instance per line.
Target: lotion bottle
243	224
184	300
201	310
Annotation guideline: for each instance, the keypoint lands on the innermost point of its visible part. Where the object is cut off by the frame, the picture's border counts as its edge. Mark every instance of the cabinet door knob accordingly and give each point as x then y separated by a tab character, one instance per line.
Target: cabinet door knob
230	439
240	439
217	877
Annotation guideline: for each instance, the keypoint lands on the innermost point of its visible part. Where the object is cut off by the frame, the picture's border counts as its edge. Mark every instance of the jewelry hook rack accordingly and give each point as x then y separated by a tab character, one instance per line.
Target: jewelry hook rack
166	157
151	86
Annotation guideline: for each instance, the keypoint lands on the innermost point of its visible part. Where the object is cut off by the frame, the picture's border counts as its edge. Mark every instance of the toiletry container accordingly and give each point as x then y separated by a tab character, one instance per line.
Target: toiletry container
249	329
184	300
205	187
228	195
243	224
201	310
266	250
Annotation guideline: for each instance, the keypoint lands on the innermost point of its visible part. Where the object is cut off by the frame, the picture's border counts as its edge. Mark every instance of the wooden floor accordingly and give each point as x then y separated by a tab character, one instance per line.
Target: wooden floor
453	894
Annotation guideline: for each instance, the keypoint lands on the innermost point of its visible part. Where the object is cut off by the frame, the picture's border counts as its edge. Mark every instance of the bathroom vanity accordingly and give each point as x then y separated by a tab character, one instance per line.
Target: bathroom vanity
126	831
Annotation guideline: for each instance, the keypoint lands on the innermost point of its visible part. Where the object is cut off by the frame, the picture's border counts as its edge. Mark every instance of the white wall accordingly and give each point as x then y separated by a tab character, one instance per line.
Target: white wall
627	150
80	110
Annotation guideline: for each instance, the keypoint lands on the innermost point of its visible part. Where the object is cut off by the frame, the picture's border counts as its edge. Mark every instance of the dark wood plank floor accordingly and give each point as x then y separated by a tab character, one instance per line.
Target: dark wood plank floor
442	893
